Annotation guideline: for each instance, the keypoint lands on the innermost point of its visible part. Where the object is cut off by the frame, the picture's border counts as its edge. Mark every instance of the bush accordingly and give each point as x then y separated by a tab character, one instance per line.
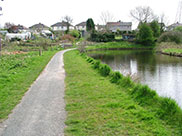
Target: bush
75	33
145	35
173	36
178	29
15	39
102	37
104	69
155	28
68	37
42	42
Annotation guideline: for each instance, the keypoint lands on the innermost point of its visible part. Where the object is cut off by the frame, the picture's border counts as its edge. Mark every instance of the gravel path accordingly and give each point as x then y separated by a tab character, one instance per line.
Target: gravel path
42	109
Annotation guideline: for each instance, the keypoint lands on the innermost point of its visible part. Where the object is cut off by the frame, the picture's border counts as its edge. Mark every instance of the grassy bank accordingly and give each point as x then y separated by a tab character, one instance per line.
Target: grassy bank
100	102
118	45
173	50
169	48
17	73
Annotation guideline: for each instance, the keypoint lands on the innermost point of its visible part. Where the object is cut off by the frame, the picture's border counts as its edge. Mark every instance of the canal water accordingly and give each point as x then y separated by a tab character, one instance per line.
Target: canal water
160	72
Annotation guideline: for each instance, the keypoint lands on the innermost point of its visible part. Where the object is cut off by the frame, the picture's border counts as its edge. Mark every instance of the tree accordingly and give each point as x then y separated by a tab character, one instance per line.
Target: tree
90	25
68	20
163	20
143	14
178	28
155	28
145	34
8	25
106	17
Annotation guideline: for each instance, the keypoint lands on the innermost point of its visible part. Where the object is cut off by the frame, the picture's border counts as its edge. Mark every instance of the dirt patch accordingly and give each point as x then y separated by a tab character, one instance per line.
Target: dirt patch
14	53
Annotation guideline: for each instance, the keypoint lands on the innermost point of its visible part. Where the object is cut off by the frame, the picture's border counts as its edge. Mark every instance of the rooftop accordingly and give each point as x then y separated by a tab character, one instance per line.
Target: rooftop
60	24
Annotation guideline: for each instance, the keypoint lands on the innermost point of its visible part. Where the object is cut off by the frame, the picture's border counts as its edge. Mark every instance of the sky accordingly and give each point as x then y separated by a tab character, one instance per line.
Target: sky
49	12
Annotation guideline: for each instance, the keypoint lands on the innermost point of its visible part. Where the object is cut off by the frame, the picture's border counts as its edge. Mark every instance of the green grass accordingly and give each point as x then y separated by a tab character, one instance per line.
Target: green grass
117	45
10	47
119	37
17	73
173	50
96	106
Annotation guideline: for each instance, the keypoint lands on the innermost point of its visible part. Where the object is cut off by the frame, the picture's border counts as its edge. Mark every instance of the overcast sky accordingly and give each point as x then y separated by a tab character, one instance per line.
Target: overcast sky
29	12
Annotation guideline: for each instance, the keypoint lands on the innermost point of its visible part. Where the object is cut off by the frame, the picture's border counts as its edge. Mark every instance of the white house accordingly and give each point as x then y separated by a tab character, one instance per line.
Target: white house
173	26
38	28
81	26
122	26
61	26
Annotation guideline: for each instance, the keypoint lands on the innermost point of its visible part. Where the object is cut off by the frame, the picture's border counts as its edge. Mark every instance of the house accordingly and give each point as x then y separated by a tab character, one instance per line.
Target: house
21	36
173	26
21	28
122	26
100	27
38	28
81	26
16	29
61	26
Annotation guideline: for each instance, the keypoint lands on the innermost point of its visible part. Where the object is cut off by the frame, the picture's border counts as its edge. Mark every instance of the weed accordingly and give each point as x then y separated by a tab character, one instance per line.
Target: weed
96	65
104	69
115	77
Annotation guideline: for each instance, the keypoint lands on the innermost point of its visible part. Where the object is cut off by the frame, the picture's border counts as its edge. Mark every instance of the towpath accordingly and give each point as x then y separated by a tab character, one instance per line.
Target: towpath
42	109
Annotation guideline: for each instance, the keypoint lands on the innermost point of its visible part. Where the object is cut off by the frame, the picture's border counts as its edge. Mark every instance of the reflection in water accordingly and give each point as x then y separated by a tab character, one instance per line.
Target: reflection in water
162	73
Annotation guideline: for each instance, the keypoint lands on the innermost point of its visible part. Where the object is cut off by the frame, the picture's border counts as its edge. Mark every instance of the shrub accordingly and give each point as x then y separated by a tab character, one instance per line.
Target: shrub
104	69
68	37
90	26
75	33
145	35
173	36
155	28
102	37
178	28
42	42
15	39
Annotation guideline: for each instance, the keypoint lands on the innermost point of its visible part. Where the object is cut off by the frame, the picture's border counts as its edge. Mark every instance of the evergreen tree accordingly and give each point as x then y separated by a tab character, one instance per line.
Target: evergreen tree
155	28
90	25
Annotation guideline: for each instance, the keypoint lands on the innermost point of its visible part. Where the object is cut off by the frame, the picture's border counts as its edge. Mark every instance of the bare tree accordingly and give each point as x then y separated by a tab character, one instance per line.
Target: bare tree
106	16
68	20
7	25
164	21
143	14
